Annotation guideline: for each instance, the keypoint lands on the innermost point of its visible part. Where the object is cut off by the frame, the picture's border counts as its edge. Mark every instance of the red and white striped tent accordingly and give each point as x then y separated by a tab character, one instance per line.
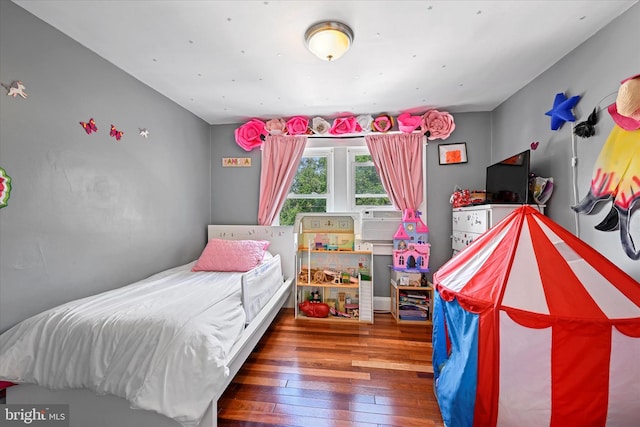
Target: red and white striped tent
533	327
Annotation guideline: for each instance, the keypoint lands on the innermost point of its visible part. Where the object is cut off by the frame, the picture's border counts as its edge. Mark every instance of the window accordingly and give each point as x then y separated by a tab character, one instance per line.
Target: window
325	162
365	188
311	190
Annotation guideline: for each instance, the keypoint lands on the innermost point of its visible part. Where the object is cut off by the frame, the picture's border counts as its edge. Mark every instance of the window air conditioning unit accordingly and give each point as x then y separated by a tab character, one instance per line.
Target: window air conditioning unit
379	225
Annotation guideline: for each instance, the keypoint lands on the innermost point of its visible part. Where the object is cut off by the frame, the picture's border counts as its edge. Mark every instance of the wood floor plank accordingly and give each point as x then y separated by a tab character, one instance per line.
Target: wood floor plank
305	373
394	366
310	371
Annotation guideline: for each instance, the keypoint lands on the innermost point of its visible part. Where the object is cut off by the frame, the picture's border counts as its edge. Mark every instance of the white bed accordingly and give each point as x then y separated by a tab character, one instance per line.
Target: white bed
243	310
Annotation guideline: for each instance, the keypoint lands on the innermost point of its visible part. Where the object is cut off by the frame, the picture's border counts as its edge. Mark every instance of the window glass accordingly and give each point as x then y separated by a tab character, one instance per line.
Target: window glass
334	177
368	187
310	188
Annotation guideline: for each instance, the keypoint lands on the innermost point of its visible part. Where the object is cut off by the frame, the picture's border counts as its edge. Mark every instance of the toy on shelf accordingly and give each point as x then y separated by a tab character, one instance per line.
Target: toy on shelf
315	297
337	313
334	281
410	243
314	309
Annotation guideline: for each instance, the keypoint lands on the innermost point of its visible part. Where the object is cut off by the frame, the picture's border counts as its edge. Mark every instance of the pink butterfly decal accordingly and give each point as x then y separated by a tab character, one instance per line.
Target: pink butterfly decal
534	145
89	126
117	134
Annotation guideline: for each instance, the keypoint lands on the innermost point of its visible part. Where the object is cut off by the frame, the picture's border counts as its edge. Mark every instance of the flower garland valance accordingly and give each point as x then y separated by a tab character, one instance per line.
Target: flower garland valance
433	124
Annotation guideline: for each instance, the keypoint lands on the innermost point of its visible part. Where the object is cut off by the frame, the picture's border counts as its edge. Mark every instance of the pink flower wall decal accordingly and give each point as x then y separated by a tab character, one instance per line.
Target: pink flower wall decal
297	125
343	125
250	134
408	123
276	126
438	124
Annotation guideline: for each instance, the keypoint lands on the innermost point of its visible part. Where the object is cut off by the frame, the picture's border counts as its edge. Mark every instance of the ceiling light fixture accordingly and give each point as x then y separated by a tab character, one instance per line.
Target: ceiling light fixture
328	40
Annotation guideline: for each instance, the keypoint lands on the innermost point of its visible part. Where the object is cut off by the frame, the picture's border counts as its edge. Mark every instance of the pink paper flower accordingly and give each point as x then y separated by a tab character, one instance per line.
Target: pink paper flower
276	126
249	135
439	124
408	123
297	125
343	125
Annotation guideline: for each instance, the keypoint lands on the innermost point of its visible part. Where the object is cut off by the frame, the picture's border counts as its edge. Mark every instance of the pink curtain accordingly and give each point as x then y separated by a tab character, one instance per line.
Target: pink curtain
280	159
398	160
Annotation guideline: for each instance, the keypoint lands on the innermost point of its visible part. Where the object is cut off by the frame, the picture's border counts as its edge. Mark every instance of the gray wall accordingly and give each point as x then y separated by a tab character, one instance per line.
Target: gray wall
236	190
593	71
88	214
475	130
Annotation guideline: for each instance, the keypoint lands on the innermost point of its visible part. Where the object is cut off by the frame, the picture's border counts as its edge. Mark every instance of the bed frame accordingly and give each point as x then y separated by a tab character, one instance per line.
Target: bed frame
86	408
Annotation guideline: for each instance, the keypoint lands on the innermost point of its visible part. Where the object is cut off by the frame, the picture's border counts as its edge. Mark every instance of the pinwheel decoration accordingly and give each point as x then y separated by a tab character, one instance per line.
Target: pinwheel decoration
5	188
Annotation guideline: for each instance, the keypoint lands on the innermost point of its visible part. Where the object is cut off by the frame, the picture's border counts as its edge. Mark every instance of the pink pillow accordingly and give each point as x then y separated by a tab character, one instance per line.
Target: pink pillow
231	255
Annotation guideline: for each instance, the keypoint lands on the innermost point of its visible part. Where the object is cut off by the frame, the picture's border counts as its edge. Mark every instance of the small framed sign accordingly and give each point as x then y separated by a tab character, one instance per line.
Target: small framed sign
451	154
236	162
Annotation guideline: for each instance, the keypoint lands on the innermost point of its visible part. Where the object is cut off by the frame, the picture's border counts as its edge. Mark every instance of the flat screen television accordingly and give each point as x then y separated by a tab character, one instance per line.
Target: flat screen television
508	180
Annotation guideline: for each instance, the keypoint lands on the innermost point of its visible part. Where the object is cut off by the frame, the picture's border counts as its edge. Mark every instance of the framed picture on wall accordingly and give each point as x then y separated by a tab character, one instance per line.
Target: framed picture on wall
452	154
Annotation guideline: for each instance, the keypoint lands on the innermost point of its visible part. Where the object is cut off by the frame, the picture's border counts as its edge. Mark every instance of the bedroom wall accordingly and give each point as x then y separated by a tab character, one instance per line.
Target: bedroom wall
236	190
86	213
592	71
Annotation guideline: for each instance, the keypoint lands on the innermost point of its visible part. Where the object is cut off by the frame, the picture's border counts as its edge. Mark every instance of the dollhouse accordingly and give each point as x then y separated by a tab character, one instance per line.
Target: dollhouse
410	244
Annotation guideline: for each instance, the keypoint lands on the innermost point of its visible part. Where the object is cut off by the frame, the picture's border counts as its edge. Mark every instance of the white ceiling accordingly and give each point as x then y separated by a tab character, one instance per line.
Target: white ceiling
227	61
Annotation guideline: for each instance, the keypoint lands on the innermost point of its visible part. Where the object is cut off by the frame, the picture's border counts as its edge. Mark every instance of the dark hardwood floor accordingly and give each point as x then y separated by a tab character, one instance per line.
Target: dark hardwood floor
309	373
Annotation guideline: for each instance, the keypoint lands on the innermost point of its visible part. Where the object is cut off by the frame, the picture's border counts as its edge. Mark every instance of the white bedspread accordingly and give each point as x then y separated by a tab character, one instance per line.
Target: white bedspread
161	343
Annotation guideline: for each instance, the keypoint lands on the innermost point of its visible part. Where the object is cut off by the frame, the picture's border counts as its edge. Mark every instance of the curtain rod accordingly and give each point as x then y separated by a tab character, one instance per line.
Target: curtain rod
351	136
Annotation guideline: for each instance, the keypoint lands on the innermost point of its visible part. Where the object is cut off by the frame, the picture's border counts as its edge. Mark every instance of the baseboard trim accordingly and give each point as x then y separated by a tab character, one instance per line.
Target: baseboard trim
382	304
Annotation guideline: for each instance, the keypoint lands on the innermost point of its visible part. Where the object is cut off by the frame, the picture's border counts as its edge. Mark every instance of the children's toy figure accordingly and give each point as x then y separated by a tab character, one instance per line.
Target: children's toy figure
315	296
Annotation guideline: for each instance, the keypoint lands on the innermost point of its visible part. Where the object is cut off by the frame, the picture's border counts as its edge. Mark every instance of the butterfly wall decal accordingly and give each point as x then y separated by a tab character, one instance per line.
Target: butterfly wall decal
117	134
90	126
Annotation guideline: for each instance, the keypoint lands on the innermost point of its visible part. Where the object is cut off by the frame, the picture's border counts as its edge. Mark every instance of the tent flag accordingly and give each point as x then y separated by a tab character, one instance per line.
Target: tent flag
542	331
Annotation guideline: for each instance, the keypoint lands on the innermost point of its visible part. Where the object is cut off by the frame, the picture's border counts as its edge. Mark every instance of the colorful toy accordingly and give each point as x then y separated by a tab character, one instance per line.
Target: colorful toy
410	243
337	313
314	309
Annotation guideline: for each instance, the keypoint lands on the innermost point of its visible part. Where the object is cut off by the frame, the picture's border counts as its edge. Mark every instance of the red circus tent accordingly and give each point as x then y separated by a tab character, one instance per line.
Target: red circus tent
533	327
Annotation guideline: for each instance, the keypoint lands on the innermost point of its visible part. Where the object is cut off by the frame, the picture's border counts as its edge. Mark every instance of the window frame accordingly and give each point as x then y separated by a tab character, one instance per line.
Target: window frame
329	195
352	165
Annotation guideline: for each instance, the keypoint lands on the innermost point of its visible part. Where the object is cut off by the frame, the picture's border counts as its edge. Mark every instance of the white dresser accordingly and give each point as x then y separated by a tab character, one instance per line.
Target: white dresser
471	221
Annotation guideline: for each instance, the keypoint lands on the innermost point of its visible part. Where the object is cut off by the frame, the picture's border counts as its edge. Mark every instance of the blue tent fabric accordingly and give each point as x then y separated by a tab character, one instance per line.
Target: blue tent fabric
455	374
439	341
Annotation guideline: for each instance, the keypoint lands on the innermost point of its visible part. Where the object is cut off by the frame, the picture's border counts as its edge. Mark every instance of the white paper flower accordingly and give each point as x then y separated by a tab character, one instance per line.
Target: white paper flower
365	121
320	125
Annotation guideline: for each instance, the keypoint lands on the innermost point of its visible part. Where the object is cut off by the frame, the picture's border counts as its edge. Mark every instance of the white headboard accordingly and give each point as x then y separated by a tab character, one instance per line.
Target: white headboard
281	238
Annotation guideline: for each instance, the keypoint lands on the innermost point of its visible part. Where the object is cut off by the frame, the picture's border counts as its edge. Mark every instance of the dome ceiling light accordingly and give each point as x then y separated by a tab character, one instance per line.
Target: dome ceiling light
328	40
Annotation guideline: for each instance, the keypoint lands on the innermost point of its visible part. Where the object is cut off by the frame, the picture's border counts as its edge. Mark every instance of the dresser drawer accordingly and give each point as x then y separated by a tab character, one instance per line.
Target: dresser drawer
460	239
473	221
